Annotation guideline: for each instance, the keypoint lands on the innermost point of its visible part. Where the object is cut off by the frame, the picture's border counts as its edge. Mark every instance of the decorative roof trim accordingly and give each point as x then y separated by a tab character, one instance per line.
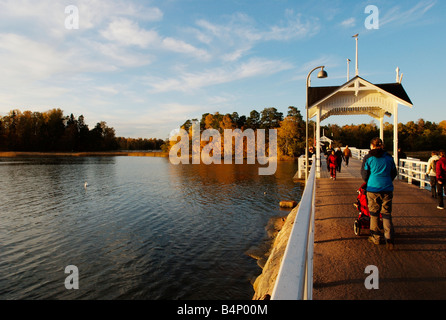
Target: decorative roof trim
394	90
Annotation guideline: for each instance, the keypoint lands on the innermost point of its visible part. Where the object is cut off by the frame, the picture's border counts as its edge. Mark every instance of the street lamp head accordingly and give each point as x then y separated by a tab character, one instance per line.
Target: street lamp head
322	74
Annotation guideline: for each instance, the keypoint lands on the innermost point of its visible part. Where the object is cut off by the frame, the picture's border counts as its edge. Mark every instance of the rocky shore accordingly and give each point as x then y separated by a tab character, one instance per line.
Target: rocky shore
269	254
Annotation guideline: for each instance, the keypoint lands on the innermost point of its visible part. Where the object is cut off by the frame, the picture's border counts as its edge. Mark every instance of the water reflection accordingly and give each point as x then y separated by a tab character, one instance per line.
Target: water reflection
143	229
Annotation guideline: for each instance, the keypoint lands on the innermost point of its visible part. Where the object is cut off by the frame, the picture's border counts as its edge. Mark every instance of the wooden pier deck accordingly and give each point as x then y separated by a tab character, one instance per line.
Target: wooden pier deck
415	270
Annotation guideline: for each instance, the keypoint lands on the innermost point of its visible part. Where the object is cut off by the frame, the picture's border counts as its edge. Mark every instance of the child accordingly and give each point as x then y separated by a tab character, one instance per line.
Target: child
332	163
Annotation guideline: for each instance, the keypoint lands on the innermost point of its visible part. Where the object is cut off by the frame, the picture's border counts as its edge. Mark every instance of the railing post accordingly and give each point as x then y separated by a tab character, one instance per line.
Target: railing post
423	168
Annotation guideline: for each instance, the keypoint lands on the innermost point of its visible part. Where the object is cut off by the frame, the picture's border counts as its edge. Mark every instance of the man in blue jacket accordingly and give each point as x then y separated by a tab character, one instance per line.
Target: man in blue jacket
378	170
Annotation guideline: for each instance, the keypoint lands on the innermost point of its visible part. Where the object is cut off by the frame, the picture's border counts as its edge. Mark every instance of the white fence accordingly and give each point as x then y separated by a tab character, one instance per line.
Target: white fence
358	153
411	169
301	167
414	170
295	278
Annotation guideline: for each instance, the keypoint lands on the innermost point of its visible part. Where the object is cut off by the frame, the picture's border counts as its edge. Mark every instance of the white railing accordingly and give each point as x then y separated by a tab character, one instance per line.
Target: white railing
411	168
414	169
295	278
301	167
358	153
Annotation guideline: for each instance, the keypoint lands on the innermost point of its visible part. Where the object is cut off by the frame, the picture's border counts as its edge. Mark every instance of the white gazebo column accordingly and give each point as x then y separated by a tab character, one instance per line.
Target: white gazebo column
381	128
395	134
318	143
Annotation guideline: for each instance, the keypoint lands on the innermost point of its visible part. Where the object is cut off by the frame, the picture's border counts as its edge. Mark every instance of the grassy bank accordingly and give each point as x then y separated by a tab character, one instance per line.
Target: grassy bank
13	154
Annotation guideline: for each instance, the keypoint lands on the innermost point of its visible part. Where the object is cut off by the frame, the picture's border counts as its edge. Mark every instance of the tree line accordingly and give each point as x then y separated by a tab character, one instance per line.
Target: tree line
290	129
53	131
413	136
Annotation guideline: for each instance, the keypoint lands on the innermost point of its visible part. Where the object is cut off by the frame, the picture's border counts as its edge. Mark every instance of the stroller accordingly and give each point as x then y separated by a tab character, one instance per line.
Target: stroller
363	221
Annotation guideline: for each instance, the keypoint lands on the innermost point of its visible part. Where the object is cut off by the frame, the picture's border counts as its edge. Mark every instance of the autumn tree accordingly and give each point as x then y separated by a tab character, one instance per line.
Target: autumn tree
270	118
253	121
52	131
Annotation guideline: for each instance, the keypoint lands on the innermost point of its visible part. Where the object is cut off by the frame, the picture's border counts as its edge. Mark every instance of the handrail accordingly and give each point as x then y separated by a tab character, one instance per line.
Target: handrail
295	278
358	153
414	169
410	168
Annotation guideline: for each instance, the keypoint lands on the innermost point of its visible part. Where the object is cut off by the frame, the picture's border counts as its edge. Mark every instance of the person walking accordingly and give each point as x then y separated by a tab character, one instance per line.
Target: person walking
332	163
431	172
339	157
328	154
347	155
441	178
378	170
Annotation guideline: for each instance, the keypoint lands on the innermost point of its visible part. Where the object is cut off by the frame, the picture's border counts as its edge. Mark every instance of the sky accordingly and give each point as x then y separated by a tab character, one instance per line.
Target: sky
145	67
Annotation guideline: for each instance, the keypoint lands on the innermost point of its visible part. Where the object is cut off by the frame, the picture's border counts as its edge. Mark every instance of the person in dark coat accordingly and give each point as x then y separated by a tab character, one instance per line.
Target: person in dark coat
339	157
347	155
441	178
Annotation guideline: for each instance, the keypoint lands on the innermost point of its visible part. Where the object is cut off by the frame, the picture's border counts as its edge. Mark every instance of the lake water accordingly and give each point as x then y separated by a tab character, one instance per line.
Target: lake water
142	229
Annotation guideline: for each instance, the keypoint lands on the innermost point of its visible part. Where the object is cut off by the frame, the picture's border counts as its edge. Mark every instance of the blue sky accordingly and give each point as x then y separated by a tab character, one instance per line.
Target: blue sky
145	67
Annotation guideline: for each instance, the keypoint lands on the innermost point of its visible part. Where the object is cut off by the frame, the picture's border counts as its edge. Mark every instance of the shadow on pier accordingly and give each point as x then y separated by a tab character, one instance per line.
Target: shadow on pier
414	270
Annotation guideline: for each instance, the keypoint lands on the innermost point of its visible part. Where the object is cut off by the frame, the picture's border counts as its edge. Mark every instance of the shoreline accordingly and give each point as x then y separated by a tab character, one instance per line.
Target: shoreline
37	154
26	154
270	252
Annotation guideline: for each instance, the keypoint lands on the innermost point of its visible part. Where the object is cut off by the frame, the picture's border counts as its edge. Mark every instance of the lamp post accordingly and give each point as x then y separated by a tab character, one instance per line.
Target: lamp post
322	74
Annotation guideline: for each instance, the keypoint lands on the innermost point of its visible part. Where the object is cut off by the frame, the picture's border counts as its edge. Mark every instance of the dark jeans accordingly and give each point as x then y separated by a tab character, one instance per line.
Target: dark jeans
380	203
440	188
433	183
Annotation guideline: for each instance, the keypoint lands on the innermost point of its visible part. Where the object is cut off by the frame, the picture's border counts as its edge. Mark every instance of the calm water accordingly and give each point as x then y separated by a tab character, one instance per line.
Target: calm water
143	229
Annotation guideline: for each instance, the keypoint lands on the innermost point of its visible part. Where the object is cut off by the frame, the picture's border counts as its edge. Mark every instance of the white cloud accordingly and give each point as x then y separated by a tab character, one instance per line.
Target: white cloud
127	33
95	71
191	81
351	22
112	56
294	27
28	60
47	17
402	17
234	38
180	46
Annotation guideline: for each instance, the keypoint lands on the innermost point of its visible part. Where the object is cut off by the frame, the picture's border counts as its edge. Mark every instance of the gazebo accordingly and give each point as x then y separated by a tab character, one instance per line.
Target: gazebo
358	97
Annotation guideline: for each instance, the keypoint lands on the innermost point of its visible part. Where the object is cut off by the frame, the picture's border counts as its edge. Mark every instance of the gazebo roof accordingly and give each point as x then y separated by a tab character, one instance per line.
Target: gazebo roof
357	96
325	139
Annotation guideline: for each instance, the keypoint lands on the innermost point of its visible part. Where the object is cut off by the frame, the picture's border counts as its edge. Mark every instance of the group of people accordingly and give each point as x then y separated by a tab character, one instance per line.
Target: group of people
378	170
436	169
335	158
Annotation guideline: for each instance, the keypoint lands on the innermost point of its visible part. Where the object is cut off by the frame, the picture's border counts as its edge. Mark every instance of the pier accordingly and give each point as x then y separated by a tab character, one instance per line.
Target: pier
324	259
414	270
336	267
